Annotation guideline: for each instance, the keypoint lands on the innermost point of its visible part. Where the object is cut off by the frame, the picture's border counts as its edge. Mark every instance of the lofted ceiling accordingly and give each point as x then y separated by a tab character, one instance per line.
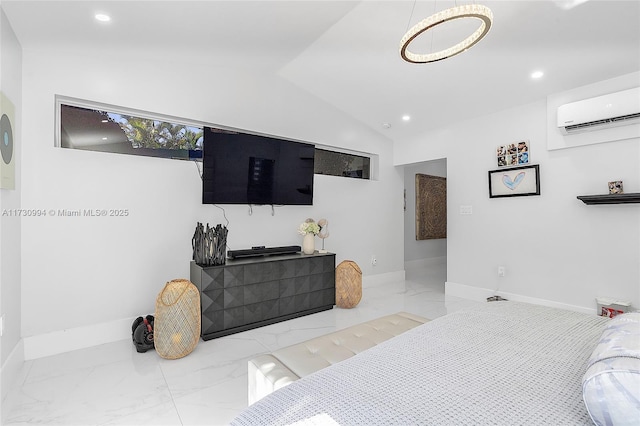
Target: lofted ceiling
346	52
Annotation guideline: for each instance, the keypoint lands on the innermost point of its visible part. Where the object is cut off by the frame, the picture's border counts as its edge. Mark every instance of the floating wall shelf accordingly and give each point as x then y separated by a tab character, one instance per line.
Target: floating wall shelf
610	199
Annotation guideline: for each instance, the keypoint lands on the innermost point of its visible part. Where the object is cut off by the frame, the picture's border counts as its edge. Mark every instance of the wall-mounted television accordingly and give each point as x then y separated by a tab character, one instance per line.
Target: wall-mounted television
241	168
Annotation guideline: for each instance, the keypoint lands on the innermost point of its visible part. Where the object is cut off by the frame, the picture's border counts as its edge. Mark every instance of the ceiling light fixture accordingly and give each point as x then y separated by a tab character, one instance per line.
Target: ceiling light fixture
537	74
475	11
102	17
406	117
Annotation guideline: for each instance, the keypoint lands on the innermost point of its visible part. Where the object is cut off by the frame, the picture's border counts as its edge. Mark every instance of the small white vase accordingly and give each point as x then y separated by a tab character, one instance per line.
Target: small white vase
308	244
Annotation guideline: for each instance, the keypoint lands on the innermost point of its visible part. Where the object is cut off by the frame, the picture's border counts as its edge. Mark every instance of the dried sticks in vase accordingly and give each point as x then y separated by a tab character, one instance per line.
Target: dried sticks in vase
209	245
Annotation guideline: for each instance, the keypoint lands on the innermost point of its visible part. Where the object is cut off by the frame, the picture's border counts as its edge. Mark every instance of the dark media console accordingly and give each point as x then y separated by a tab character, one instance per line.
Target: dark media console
263	251
252	292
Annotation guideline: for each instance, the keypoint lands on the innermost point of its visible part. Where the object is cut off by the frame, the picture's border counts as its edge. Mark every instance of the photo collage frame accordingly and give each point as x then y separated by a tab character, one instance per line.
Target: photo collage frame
513	154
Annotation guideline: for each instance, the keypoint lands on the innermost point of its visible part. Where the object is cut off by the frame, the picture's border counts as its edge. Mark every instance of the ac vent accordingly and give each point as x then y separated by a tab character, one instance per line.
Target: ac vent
602	112
582	126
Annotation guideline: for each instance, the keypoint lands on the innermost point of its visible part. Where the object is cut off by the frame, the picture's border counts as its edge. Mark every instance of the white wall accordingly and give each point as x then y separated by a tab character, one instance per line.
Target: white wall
99	272
421	251
556	250
10	240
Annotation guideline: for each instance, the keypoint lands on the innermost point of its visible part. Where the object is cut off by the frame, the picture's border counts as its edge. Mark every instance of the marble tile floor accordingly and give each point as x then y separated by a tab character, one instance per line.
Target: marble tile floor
112	384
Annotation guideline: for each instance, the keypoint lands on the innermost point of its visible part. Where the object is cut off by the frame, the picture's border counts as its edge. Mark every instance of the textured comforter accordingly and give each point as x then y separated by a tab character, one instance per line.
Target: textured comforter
502	363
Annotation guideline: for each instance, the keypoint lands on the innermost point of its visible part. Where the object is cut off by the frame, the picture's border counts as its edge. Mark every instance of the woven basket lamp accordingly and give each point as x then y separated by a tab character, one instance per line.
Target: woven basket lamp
177	319
348	284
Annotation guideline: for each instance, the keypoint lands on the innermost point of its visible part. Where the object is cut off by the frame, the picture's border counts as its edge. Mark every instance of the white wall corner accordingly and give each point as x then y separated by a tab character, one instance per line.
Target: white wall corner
480	295
10	371
72	339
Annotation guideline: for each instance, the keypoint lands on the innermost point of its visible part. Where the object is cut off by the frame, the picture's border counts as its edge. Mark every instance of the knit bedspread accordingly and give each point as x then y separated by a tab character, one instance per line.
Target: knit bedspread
501	363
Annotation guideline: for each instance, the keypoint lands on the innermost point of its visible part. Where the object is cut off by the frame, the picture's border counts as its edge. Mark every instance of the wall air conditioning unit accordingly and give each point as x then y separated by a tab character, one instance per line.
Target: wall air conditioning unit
602	112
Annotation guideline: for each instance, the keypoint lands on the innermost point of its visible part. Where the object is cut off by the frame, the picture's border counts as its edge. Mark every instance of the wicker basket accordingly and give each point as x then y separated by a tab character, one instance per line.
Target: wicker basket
348	284
177	319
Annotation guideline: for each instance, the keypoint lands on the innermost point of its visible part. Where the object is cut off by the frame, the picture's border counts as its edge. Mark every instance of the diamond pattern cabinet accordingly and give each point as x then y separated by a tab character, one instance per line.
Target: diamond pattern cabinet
253	292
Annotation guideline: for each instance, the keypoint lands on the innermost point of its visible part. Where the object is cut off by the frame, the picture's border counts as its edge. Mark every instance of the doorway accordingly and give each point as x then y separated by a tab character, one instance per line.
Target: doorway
422	254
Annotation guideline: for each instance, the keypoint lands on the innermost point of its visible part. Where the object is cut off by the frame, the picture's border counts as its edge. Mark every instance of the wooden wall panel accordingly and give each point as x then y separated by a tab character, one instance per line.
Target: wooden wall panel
431	207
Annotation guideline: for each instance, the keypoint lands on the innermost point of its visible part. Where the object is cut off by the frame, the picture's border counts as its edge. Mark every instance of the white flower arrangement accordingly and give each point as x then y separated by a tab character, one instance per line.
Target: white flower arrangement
309	226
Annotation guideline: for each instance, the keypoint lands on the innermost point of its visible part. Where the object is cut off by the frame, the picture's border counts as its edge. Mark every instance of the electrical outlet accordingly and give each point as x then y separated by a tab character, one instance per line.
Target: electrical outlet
1	325
466	209
502	271
374	260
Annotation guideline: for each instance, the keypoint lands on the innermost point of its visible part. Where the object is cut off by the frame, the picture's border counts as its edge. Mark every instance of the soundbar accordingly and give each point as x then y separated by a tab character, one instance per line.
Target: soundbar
262	251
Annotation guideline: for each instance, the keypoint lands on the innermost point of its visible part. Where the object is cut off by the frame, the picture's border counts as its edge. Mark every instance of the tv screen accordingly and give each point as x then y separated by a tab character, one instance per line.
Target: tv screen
240	168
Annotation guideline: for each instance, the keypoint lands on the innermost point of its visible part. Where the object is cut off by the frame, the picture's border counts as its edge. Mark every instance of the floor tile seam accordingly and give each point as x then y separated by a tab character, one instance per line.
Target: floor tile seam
278	346
243	362
212	385
43	378
265	347
251	339
22	376
173	401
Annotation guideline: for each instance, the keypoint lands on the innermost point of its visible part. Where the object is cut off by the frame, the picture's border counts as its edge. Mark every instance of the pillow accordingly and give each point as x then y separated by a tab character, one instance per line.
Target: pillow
611	385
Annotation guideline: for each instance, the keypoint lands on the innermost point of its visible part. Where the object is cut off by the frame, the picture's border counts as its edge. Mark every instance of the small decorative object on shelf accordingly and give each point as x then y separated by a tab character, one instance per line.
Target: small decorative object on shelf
309	229
615	187
324	232
209	245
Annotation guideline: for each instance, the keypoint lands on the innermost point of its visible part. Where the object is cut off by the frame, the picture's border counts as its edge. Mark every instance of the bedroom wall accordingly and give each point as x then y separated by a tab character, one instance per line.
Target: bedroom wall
89	277
556	250
423	252
10	200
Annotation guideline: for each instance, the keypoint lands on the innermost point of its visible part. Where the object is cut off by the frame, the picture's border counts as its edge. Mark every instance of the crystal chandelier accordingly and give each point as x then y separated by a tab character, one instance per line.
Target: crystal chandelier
477	11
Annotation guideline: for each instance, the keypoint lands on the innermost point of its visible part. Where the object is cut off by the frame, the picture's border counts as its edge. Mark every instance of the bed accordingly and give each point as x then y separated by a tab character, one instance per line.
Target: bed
500	363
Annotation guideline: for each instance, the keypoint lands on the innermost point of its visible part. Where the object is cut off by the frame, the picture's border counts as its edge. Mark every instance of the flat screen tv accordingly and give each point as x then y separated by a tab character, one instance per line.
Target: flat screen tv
240	168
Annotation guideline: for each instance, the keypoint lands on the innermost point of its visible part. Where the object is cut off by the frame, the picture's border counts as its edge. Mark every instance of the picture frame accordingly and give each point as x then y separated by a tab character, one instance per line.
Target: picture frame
616	187
513	154
514	182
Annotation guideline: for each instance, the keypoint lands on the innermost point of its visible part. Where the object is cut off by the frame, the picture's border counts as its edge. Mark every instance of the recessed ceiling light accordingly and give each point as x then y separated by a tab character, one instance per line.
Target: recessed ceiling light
104	139
537	74
386	125
102	17
406	117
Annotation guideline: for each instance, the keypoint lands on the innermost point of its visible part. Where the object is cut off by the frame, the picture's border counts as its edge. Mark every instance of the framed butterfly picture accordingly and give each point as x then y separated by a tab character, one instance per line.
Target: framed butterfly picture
514	182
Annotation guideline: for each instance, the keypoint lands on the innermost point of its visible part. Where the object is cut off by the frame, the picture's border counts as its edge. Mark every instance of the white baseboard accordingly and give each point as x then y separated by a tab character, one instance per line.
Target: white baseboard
481	294
381	279
72	339
11	369
424	263
467	292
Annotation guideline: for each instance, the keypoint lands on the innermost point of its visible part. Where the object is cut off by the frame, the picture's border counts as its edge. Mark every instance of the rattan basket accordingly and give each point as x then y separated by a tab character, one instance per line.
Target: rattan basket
348	284
177	319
